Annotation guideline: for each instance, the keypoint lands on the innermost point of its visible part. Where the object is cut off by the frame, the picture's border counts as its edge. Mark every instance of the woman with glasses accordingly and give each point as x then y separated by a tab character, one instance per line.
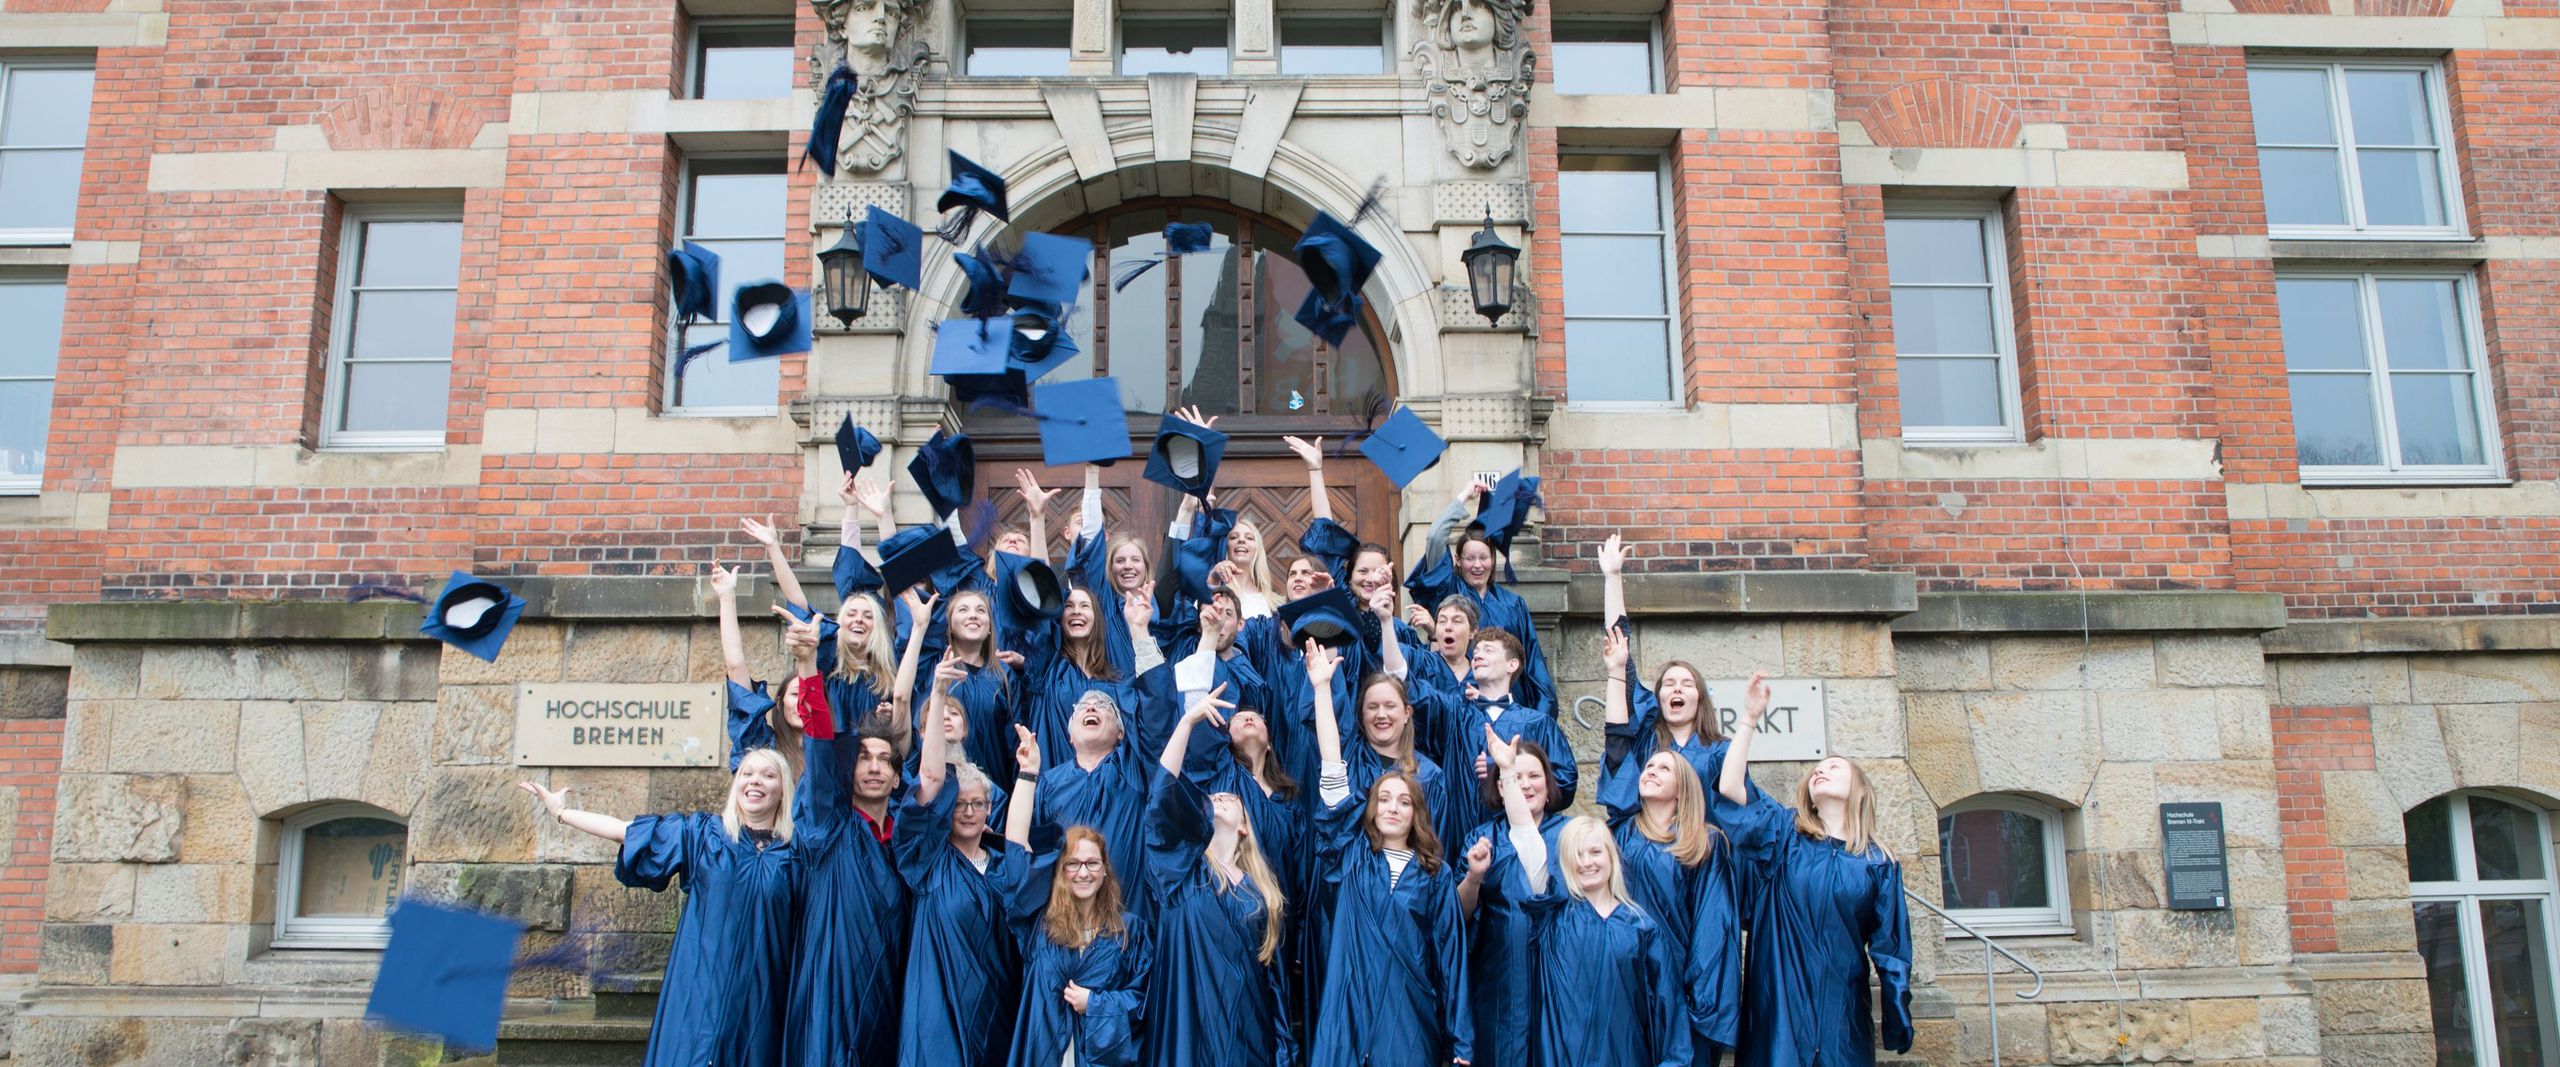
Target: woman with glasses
1084	958
961	973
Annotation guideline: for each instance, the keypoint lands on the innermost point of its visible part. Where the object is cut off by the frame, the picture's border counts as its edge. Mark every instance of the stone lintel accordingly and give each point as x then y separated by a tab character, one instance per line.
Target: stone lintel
554	598
32	650
2348	637
2113	612
1762	593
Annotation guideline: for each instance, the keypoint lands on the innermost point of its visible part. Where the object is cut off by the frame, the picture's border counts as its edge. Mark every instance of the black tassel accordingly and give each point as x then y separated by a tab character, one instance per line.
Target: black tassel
954	228
1130	272
828	126
376	590
685	358
1371	204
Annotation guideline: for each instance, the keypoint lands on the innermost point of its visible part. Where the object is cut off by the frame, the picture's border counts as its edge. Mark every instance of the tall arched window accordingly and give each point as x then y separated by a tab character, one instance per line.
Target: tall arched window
2481	885
2001	865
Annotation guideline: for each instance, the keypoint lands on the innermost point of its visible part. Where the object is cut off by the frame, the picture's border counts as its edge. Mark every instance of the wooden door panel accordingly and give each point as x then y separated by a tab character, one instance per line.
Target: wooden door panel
1272	491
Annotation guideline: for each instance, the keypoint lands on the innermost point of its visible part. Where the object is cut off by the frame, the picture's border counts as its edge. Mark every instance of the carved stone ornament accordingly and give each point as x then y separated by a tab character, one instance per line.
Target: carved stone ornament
884	42
1477	63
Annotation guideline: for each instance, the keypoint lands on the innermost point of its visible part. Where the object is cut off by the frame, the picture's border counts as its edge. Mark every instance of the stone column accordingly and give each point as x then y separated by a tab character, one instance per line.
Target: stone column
1089	48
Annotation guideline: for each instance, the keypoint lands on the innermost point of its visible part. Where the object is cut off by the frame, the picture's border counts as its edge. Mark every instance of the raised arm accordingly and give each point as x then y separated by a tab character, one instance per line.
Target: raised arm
1322	662
556	801
1035	510
1525	838
1137	607
1613	580
1436	543
930	749
1613	658
785	582
1203	707
1089	509
1312	453
1732	781
874	498
733	647
1026	781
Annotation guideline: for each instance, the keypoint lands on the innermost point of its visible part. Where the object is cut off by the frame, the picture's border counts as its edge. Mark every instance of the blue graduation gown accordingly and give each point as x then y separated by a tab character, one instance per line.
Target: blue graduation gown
1451	728
1822	917
1366	766
1635	740
845	987
1113	969
749	724
1089	560
1053	684
729	973
1697	909
1495	607
1502	956
1395	974
989	695
1111	798
962	974
1211	1001
1160	707
1609	989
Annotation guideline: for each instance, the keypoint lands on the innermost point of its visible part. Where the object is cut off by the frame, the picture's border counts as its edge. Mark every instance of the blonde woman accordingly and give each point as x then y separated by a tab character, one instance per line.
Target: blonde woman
1247	570
729	974
1826	908
1609	982
1214	998
1679	869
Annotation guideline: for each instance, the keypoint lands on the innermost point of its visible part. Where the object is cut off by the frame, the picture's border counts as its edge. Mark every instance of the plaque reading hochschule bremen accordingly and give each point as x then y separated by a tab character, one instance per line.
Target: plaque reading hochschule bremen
604	724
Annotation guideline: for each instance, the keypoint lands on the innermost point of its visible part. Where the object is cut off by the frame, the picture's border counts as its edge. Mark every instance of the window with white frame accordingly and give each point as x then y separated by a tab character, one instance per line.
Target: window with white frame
1312	45
339	867
741	59
1187	45
2385	370
1955	352
391	338
737	208
1606	56
1619	334
32	308
2481	888
2355	148
2001	864
44	127
1015	48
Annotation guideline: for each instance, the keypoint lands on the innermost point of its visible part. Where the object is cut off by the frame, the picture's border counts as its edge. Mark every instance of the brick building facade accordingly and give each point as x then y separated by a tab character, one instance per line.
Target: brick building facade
2112	404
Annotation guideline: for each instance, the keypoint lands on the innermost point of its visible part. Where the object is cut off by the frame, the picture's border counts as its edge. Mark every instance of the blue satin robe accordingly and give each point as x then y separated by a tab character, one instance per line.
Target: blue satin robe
962	973
1395	968
1609	989
729	974
1502	955
990	695
1450	728
1211	1001
1496	607
845	988
1696	907
1822	917
1112	969
1089	561
1111	798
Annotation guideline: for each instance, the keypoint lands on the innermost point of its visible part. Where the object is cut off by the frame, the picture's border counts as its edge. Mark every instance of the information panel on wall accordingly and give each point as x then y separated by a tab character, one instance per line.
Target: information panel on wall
2192	855
1794	728
608	724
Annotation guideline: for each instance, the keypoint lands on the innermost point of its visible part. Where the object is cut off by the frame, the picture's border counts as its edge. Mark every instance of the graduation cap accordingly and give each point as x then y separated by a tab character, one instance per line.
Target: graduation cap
1180	239
855	447
1030	587
973	189
1506	510
445	973
828	126
1403	447
767	319
1337	262
1195	557
472	615
1081	421
913	555
987	284
1331	618
1185	456
1041	344
1007	390
946	469
971	346
1049	272
892	249
693	271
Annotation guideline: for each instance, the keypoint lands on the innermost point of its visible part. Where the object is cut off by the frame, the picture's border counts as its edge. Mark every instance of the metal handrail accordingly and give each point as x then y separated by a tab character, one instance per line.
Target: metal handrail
1990	983
1587	699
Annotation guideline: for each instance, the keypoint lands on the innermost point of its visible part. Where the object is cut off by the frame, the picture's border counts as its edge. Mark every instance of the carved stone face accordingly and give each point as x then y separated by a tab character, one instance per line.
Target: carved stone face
867	27
1472	25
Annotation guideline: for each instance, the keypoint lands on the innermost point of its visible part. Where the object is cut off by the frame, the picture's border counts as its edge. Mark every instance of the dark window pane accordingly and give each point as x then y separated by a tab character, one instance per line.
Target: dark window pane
351	868
2504	841
1016	49
1173	46
1993	859
1211	369
2448	984
1309	46
1138	312
1284	352
2516	934
2429	829
1603	57
744	63
2333	421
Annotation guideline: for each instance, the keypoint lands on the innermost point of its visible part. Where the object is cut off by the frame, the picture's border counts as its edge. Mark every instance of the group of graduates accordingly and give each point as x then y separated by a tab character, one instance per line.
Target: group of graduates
1179	805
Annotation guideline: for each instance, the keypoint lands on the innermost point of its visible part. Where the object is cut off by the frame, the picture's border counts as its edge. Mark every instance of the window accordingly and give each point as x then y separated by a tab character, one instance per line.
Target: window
1015	48
1173	46
2000	860
735	207
2480	884
1605	56
391	345
1618	329
1332	46
741	60
2355	149
1954	353
33	309
44	121
2385	374
338	868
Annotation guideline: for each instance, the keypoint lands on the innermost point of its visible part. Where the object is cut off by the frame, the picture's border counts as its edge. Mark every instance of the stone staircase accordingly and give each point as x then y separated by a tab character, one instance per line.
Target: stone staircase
610	1030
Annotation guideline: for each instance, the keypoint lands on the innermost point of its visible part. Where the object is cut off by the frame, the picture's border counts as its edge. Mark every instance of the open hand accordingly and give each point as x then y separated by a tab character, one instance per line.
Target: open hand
554	801
724	581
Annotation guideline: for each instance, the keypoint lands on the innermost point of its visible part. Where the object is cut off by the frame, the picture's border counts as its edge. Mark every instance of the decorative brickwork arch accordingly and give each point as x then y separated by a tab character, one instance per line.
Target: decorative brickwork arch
400	116
1940	113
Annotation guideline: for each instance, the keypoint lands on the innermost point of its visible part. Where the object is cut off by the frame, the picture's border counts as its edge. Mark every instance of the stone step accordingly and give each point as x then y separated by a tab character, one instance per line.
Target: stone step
573	1036
627	996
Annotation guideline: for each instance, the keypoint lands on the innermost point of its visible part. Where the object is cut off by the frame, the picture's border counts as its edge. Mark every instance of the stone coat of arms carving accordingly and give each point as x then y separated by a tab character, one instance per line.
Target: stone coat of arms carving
1478	65
883	40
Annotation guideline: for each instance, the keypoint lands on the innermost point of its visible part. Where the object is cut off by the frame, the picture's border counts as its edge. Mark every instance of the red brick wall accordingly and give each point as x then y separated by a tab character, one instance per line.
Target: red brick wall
2308	742
30	754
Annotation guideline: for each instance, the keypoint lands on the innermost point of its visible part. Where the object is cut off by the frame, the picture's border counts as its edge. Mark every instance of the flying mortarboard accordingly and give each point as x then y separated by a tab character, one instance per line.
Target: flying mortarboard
1051	271
445	973
1180	239
767	319
855	447
946	470
1185	456
1506	510
986	296
473	615
973	189
828	125
1337	262
1403	447
1030	586
1041	344
913	555
892	249
693	271
1081	421
1330	617
971	346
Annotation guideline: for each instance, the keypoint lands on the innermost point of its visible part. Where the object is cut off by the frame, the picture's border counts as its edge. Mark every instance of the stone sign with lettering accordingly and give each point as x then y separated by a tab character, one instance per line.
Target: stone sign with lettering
1794	728
604	724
